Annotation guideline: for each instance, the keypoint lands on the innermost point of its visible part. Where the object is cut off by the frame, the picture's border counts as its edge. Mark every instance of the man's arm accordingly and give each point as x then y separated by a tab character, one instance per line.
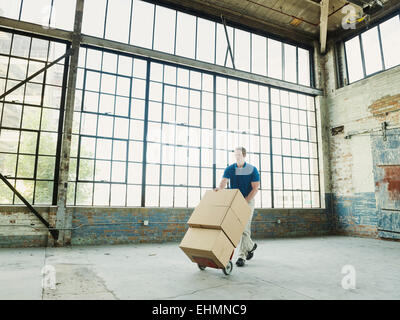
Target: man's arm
255	185
222	184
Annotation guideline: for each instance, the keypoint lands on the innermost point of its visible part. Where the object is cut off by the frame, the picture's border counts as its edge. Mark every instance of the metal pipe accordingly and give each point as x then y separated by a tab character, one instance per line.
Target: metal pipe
127	223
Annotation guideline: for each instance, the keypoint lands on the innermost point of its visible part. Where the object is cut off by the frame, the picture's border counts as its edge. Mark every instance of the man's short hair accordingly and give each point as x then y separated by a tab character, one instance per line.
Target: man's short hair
242	149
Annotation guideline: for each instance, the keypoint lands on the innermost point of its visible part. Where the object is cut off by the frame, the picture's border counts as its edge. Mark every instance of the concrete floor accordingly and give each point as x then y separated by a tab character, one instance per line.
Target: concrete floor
296	268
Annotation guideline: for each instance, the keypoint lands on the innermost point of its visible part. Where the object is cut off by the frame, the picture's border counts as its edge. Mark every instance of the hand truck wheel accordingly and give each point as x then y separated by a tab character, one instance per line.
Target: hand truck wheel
228	269
201	267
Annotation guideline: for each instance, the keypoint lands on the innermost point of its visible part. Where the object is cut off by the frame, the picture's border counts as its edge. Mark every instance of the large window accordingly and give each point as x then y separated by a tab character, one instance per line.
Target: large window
58	14
164	133
374	50
163	29
29	117
107	141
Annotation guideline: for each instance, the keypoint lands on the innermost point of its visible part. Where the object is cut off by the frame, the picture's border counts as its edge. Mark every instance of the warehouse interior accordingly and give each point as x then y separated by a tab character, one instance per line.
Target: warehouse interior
117	116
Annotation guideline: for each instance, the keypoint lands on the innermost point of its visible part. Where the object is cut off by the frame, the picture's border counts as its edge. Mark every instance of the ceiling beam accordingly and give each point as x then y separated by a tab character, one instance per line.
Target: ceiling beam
323	26
213	11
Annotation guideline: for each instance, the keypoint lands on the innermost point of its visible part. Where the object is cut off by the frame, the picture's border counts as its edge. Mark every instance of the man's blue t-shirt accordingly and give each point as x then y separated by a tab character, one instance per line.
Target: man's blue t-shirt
241	178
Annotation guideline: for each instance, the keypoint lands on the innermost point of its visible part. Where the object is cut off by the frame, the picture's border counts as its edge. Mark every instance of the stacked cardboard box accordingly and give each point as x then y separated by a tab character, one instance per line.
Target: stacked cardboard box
215	227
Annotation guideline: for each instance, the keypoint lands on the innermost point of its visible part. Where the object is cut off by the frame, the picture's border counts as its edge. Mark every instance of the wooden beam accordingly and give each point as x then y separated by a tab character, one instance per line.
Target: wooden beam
323	27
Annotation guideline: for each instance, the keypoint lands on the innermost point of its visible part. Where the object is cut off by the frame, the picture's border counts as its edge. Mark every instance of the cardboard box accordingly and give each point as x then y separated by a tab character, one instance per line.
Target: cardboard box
220	218
207	247
226	210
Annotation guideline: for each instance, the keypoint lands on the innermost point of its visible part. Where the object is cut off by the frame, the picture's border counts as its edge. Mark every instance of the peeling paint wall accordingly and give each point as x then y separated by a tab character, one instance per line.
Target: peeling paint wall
386	156
361	108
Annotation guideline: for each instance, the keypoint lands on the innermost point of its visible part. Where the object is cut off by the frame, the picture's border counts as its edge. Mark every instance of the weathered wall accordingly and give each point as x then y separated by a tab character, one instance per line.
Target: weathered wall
21	228
360	107
97	225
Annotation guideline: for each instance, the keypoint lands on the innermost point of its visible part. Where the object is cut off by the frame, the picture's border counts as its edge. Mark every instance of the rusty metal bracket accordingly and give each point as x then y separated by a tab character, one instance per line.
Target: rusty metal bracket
384	126
54	232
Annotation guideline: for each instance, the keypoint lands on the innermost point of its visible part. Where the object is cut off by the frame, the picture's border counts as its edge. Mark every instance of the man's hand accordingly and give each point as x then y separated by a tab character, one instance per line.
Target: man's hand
222	185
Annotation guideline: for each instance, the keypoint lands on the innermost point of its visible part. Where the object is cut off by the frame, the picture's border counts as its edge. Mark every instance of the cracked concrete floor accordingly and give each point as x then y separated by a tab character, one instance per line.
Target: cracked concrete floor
295	268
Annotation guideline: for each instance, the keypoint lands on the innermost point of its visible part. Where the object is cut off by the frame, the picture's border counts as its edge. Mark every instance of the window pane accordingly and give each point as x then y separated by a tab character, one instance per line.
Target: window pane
166	196
26	165
118	16
167	175
118	194
259	54
26	189
274	59
36	11
84	193
205	40
152	194
10	9
63	14
290	63
93	17
101	194
44	192
391	41
180	197
142	24
354	63
372	54
118	172
134	195
304	66
242	50
45	168
135	173
193	197
164	33
48	143
152	174
103	171
28	142
185	35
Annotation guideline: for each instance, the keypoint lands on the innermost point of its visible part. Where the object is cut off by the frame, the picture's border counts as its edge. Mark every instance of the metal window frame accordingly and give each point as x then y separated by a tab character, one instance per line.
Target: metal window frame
359	34
213	74
41	106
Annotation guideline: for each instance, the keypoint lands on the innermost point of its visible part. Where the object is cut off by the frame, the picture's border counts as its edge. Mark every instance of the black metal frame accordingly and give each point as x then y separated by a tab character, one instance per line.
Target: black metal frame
57	156
229	48
149	60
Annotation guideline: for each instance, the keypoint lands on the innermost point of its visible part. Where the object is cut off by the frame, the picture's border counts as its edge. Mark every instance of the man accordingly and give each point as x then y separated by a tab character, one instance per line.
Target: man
245	177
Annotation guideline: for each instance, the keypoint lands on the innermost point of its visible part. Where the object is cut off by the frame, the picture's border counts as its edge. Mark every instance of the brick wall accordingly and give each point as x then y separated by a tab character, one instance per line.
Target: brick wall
21	228
125	225
97	225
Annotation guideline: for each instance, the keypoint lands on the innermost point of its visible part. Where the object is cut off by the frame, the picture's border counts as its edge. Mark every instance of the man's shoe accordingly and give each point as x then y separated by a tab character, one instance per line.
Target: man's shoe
250	254
240	262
